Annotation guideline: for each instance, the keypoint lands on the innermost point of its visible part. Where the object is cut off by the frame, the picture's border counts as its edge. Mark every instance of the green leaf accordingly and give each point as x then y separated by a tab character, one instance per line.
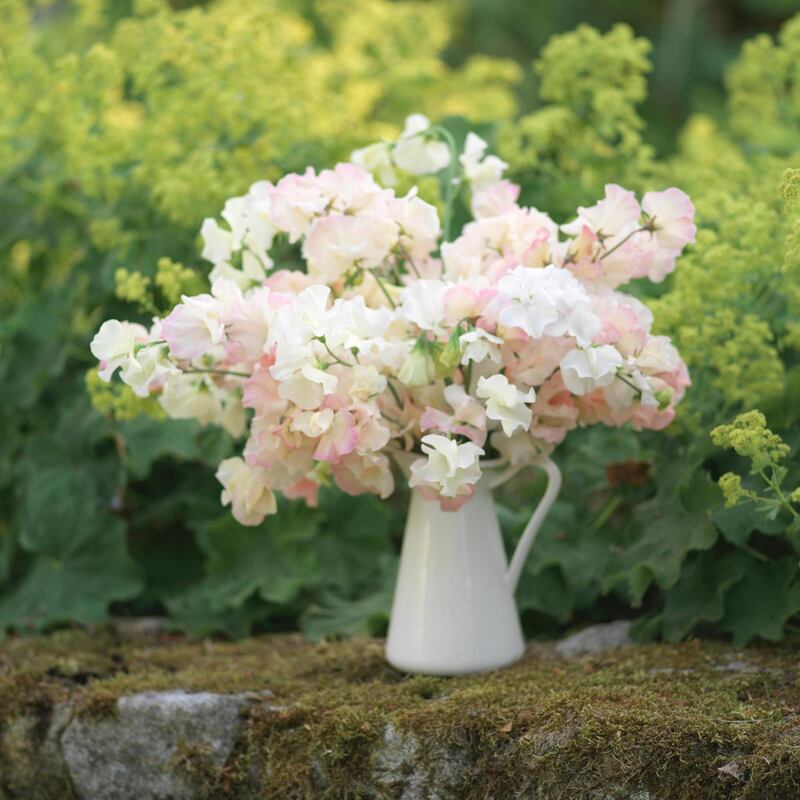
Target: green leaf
334	616
671	525
352	541
699	594
192	609
763	600
738	522
59	511
275	560
149	439
77	586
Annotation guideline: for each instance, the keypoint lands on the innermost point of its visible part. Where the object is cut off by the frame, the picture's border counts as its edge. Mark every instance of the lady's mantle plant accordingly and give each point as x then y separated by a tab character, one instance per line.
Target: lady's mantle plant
398	339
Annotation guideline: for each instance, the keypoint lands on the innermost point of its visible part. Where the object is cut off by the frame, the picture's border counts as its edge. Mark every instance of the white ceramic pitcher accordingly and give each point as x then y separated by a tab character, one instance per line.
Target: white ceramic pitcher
454	610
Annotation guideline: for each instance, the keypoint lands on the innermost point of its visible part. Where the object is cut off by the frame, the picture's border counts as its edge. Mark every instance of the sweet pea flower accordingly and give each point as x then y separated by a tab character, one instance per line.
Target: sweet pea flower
377	159
197	323
494	199
450	469
114	344
246	491
671	214
417	151
339	438
547	302
423	304
337	243
359	473
308	386
478	345
312	423
418	368
480	170
585	370
147	368
615	215
467	419
505	403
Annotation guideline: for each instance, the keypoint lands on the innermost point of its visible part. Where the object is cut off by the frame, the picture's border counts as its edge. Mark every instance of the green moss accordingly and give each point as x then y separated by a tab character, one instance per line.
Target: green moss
660	718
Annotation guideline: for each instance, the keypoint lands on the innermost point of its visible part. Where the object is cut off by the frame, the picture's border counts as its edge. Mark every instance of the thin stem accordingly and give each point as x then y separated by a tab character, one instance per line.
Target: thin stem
449	195
218	372
622	242
409	261
333	355
394	394
384	290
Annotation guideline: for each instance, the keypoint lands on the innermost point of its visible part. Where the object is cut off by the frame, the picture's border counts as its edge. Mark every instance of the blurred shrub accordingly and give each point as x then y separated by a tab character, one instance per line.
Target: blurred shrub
120	129
669	547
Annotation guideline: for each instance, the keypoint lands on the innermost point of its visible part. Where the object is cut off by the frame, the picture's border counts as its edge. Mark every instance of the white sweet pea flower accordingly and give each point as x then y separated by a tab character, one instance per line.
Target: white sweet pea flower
245	489
312	423
416	151
351	323
377	159
480	171
584	371
505	403
197	323
337	243
114	344
217	242
366	382
423	304
478	344
547	301
307	387
146	367
450	468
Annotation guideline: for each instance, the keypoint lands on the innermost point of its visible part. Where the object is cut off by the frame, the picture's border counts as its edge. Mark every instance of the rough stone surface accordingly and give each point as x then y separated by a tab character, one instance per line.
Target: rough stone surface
398	764
596	639
89	716
137	753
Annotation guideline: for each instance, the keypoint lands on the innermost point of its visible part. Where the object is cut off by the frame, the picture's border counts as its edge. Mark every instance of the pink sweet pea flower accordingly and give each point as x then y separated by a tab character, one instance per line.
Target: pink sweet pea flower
364	473
339	439
494	199
554	411
672	216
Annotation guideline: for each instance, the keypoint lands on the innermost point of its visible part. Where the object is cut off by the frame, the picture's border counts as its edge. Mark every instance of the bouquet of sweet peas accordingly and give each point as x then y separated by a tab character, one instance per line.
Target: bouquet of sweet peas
396	339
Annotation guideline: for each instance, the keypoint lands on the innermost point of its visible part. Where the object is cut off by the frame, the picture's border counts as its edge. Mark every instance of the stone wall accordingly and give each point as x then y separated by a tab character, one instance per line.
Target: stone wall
107	716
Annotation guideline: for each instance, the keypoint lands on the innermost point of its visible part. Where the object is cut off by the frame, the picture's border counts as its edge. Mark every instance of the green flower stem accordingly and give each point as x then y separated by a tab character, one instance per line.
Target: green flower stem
622	242
384	290
452	180
217	372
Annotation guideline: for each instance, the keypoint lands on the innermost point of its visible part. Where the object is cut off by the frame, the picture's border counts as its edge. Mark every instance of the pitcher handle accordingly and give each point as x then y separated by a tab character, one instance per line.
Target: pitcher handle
536	520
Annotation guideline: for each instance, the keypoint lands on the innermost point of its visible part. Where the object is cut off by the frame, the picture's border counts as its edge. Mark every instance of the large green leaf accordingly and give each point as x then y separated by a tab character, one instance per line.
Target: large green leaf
668	527
353	539
763	600
274	560
76	584
149	439
738	522
368	615
699	594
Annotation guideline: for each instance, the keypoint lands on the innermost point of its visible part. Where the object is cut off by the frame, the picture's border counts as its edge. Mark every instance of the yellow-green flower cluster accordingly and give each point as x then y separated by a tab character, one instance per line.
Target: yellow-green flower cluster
181	109
764	88
116	400
588	129
749	436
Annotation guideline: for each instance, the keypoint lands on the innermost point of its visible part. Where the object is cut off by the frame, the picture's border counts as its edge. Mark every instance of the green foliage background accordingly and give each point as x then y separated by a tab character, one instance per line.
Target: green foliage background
123	124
